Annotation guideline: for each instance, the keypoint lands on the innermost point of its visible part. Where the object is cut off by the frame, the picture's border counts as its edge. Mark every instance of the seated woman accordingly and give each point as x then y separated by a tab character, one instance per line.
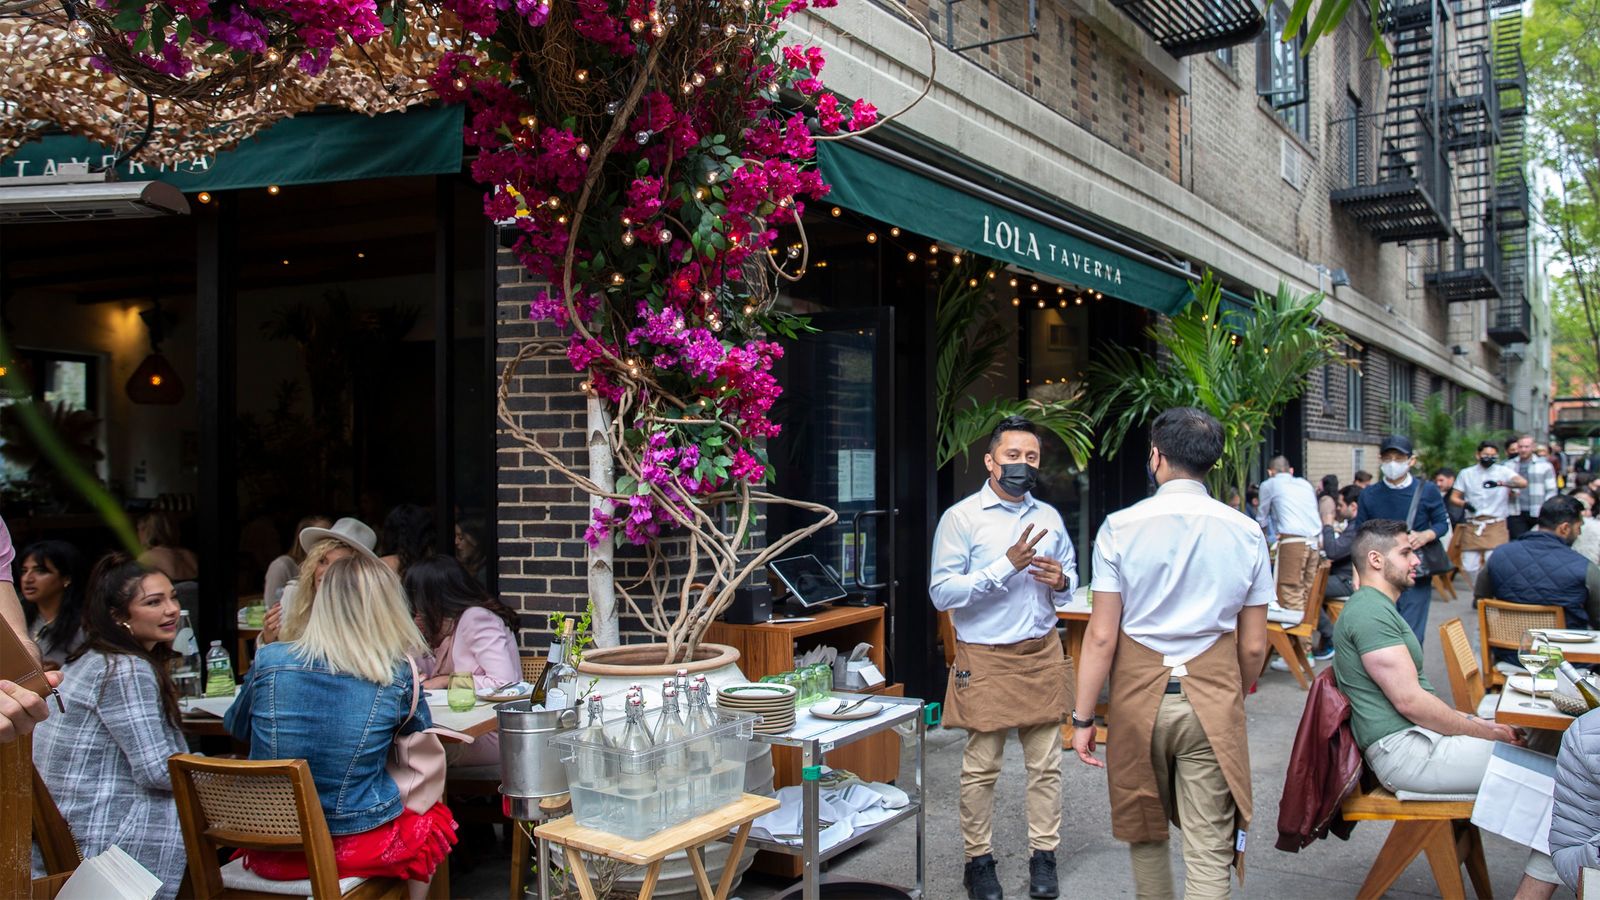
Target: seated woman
52	583
163	552
471	548
469	631
407	536
323	547
283	569
105	758
335	692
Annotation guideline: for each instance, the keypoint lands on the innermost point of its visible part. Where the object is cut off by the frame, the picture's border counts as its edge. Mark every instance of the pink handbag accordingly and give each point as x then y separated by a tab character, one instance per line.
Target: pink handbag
416	760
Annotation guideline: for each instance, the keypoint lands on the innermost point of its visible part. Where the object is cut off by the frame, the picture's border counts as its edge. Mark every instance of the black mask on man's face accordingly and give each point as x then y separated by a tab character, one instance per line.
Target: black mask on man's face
1017	479
1487	461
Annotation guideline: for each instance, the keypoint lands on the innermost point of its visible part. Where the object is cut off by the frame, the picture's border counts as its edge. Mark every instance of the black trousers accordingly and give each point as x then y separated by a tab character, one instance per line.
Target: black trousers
1520	524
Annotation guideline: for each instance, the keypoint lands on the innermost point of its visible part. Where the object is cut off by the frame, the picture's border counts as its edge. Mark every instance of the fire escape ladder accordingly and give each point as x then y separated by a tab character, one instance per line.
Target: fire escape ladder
1509	316
1469	264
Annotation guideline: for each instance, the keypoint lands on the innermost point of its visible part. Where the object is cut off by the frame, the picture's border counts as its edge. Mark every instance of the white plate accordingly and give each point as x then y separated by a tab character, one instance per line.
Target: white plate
1519	683
1570	637
761	690
864	711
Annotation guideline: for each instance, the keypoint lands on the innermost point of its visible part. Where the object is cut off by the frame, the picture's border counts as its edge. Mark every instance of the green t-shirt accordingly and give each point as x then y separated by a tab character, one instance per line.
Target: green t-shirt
1370	622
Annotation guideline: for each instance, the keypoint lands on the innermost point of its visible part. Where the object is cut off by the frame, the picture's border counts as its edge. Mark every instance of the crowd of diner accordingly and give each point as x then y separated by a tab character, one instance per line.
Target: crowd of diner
105	631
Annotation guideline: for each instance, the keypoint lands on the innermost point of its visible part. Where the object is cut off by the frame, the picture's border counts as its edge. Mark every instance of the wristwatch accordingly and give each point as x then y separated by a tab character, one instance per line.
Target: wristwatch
1081	723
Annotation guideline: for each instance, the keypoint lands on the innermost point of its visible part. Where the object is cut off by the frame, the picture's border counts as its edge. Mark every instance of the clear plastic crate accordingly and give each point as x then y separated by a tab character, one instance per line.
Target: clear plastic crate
634	794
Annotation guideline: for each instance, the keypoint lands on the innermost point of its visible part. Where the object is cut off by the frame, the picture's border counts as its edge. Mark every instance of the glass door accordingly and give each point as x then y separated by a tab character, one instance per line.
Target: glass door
837	446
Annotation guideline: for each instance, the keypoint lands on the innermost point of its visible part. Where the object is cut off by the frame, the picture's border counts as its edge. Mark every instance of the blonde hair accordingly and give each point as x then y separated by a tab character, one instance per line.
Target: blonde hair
296	552
305	591
359	623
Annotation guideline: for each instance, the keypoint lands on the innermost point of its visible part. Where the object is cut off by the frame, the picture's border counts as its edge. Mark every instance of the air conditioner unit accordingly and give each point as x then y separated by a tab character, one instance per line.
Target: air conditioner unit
1289	161
78	198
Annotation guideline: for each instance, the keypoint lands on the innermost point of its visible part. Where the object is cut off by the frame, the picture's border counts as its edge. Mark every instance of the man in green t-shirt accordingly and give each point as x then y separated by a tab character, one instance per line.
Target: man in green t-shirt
1412	740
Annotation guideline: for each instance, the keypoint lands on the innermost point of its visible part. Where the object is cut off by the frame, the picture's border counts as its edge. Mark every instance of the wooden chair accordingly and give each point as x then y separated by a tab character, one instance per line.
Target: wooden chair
1289	641
1441	829
1461	662
56	844
1501	624
1335	608
258	805
532	667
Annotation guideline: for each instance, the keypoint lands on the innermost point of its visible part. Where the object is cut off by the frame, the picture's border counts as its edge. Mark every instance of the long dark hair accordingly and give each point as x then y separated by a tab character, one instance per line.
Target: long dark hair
441	589
113	586
408	534
67	562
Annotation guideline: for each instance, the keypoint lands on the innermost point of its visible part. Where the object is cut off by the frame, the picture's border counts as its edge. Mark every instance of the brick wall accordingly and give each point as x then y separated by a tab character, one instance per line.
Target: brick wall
1074	70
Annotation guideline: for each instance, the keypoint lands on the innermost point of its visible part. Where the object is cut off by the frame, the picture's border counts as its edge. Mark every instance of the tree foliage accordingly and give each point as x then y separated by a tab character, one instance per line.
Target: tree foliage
1563	58
1439	441
1243	367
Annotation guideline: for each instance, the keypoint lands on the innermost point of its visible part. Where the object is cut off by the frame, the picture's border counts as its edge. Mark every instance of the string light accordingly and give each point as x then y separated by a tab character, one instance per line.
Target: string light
273	189
628	238
1041	304
991	275
204	197
273	56
1016	301
459	83
748	309
80	32
582	151
872	237
956	260
642	136
1062	303
718	69
972	282
895	231
1013	282
665	235
617	279
837	212
1060	289
911	257
361	254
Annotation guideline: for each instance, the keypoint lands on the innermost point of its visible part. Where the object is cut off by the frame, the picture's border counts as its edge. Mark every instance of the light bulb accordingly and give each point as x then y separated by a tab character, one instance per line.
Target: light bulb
872	237
642	136
687	88
895	231
626	220
583	151
204	197
637	25
718	69
991	276
658	29
712	176
582	76
1060	289
748	309
554	202
612	107
837	212
1034	287
1041	304
1062	303
697	79
273	189
628	238
730	29
1016	301
617	279
561	220
273	56
911	257
459	84
956	259
706	297
155	381
715	323
665	236
699	193
80	32
1013	282
972	282
671	18
794	252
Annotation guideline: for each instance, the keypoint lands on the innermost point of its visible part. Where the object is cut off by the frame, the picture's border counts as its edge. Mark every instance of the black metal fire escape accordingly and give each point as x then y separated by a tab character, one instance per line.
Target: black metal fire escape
1470	260
1397	179
1509	315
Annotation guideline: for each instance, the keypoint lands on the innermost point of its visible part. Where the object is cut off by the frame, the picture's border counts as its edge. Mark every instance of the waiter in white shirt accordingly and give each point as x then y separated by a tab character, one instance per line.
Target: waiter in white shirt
1289	507
1181	587
1002	565
1485	490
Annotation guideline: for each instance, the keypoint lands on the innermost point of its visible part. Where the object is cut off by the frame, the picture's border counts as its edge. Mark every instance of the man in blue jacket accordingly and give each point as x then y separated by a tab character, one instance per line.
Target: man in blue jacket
1540	567
1390	498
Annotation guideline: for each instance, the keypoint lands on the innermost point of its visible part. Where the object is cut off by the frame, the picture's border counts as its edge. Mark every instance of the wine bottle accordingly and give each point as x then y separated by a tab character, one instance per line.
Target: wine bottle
551	691
1580	683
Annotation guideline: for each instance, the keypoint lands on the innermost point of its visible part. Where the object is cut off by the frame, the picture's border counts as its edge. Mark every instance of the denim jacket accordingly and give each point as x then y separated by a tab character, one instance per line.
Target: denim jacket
340	724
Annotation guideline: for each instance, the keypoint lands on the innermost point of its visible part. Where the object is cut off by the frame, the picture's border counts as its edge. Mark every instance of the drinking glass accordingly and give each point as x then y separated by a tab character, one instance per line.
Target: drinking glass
460	695
1531	654
824	683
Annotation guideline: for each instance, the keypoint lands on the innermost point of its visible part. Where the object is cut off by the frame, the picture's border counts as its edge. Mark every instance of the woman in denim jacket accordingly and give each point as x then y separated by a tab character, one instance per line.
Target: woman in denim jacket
335	691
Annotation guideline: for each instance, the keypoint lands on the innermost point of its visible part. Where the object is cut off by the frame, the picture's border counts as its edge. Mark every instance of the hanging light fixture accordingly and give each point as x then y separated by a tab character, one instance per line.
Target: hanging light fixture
155	381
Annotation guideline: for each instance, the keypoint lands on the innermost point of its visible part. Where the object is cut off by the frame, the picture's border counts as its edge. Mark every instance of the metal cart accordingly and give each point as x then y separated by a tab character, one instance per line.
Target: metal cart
813	748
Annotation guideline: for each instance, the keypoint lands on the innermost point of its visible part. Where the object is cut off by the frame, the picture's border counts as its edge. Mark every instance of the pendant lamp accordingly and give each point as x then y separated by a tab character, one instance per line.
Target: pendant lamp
155	381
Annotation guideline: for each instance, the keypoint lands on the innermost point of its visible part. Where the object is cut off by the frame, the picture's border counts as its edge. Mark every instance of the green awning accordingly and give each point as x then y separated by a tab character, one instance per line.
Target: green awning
882	190
307	149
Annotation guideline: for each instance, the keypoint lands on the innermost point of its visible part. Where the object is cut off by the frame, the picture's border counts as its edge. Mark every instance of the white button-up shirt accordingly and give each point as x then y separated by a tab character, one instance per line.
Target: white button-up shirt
990	601
1494	502
1289	506
1185	565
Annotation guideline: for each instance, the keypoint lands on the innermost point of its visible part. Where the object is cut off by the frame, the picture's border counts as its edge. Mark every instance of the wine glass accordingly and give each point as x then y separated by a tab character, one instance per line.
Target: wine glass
460	694
1531	654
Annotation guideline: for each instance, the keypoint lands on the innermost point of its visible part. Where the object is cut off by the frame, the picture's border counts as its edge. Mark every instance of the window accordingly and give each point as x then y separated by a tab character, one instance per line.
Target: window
1283	73
1225	56
69	381
1353	401
1399	395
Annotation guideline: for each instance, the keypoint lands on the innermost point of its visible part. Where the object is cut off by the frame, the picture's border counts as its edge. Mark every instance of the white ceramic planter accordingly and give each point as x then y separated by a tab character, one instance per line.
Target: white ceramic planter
609	673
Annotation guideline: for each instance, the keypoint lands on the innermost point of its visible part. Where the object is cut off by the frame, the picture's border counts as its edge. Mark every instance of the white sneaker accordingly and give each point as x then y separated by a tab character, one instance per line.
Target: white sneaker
1278	664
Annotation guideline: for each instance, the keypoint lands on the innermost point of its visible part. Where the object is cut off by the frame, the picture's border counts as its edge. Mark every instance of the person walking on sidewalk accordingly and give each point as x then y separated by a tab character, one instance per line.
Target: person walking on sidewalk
1485	491
1397	497
1181	586
1002	565
1289	510
1541	479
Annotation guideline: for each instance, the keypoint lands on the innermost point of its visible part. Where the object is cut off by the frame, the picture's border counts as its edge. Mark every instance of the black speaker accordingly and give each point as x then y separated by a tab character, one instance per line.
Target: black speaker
751	606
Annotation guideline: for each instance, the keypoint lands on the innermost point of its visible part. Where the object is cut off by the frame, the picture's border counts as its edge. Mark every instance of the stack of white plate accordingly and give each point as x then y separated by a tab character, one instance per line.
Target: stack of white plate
774	703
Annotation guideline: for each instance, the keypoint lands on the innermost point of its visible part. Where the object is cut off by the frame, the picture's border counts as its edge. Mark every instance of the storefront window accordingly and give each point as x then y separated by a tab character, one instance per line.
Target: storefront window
1055	333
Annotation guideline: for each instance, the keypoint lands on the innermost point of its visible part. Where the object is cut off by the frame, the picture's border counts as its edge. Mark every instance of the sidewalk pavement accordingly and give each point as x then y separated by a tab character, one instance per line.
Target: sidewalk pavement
1091	863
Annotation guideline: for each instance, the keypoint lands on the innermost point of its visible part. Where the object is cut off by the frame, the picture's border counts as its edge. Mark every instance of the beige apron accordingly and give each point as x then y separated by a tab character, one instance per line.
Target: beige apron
1009	685
1483	534
1138	683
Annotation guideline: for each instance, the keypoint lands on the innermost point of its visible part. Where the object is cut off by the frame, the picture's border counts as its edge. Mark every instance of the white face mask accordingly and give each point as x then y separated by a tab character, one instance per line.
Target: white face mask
1396	470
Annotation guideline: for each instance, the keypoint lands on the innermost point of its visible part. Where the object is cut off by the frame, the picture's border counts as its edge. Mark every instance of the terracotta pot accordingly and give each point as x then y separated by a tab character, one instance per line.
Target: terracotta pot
608	672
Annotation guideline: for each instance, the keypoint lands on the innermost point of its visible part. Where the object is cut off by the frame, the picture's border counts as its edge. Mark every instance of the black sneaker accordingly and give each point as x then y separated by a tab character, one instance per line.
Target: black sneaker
981	881
1042	874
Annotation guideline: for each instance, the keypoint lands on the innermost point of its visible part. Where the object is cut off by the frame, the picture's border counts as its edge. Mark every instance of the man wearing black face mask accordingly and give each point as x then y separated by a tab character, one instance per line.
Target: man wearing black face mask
1485	490
1002	565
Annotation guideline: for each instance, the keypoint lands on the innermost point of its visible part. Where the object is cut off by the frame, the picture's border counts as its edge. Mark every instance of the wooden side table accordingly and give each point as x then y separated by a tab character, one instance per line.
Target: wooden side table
689	837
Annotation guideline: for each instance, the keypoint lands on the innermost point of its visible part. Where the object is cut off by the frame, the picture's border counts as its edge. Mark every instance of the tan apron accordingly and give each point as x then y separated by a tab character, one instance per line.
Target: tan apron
1483	534
1009	686
1138	683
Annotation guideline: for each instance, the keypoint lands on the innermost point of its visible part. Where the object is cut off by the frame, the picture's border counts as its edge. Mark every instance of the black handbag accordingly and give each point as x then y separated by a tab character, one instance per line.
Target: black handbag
1435	561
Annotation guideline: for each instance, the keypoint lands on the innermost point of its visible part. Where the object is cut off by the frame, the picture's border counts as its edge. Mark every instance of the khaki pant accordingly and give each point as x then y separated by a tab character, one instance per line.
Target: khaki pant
1189	776
980	768
1297	573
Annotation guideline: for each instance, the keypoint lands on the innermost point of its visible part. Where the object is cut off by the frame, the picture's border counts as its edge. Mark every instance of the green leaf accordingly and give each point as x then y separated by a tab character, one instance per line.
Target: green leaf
182	32
129	19
142	42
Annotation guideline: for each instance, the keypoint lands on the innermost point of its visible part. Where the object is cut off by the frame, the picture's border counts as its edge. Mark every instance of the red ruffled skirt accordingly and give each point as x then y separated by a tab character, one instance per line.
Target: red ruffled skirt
410	847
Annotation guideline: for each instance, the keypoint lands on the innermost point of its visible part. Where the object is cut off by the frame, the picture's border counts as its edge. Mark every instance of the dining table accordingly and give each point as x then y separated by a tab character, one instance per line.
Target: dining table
1525	711
1578	652
202	717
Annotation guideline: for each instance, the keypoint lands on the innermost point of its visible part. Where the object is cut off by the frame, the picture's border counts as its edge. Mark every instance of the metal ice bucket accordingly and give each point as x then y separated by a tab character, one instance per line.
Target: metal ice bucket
529	767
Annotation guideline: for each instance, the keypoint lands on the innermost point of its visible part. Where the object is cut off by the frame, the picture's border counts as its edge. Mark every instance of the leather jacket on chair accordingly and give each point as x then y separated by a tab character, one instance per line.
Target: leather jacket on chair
1324	768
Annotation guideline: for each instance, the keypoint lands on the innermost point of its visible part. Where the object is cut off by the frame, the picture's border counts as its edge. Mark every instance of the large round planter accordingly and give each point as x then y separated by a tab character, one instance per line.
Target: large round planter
609	672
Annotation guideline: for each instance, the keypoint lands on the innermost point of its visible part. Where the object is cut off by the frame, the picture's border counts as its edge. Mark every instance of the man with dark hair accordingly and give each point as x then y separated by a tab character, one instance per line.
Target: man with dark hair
1412	740
1444	478
1009	669
1541	567
1181	587
1362	478
1484	491
1397	496
1541	479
